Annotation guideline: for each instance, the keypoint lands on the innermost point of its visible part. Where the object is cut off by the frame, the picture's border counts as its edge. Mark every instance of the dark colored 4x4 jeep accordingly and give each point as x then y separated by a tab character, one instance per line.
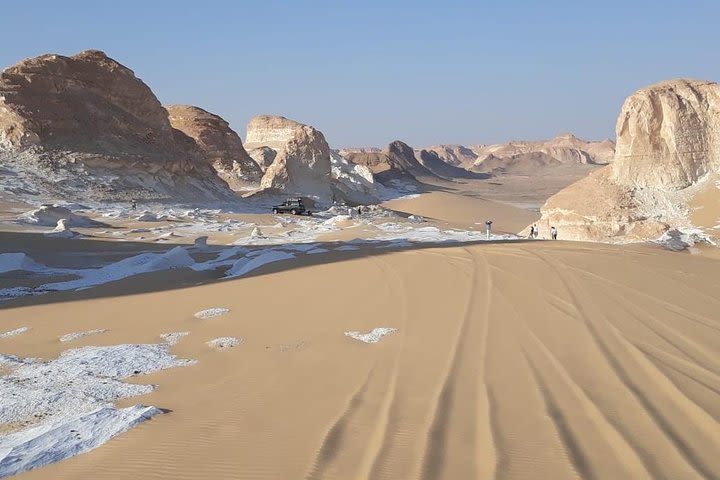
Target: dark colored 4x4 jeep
291	205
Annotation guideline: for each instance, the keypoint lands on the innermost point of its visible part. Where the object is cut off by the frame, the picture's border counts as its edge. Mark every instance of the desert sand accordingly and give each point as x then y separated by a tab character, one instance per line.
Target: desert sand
157	322
515	360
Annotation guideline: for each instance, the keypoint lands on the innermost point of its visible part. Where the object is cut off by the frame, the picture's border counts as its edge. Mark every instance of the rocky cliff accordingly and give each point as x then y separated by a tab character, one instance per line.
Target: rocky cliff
85	126
222	147
668	141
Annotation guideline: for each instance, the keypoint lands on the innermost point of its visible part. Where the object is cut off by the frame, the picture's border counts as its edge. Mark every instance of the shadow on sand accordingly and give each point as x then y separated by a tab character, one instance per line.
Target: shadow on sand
89	253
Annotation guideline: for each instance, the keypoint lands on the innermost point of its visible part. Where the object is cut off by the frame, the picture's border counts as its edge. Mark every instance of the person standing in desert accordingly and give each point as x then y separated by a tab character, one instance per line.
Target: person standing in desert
553	233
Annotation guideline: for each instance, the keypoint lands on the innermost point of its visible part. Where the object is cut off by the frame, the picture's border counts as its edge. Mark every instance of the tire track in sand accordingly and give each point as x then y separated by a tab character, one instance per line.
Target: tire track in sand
588	430
354	439
628	364
374	448
332	447
464	396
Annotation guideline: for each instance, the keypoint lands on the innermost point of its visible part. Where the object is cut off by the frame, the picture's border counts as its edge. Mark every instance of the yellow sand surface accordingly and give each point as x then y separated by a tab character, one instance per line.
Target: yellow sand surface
531	360
465	211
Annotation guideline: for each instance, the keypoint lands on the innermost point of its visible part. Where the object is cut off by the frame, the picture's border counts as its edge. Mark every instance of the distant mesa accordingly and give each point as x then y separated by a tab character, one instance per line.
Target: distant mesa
525	157
86	126
220	144
668	140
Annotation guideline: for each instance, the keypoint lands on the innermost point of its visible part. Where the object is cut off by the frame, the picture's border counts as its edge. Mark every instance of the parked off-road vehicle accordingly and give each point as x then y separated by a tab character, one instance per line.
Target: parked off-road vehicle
291	205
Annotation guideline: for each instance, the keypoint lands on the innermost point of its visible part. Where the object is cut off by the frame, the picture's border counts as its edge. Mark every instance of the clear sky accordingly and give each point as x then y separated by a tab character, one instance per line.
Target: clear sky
368	72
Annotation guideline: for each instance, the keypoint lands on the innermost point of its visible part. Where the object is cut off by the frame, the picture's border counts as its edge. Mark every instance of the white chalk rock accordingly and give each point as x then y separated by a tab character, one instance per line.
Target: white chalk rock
224	342
371	337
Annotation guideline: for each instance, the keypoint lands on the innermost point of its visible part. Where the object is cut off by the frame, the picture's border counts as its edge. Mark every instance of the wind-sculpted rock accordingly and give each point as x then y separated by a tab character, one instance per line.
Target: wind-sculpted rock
303	164
668	140
668	135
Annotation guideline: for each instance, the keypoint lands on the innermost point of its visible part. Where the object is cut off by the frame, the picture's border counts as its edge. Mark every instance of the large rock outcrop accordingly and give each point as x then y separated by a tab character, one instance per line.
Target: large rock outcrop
303	163
86	126
668	139
221	145
668	135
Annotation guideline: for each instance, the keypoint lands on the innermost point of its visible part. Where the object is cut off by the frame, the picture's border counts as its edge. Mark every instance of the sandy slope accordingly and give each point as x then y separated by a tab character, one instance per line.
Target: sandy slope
530	360
705	208
465	212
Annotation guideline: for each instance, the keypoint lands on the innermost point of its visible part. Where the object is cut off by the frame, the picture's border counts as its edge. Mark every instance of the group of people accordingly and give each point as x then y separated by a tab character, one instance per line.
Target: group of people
534	232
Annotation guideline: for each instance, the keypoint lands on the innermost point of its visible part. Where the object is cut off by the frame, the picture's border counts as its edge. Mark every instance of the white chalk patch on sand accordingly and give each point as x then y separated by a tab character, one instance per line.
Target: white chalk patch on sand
245	265
69	337
177	257
371	337
12	333
63	407
46	444
10	262
224	342
172	338
211	312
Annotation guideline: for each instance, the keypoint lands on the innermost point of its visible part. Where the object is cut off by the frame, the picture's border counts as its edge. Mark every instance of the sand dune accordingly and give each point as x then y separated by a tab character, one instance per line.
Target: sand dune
516	361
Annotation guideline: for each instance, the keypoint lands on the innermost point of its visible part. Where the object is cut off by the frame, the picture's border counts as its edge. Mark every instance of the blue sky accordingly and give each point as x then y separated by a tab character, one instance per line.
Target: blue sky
368	72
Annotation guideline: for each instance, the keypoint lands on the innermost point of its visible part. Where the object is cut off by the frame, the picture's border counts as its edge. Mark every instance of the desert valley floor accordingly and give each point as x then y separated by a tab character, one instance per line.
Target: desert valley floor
508	359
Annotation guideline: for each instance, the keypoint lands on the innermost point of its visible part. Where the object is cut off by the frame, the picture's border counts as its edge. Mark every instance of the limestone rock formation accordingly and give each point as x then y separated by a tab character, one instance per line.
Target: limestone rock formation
668	135
62	230
668	140
303	164
86	126
220	144
597	209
